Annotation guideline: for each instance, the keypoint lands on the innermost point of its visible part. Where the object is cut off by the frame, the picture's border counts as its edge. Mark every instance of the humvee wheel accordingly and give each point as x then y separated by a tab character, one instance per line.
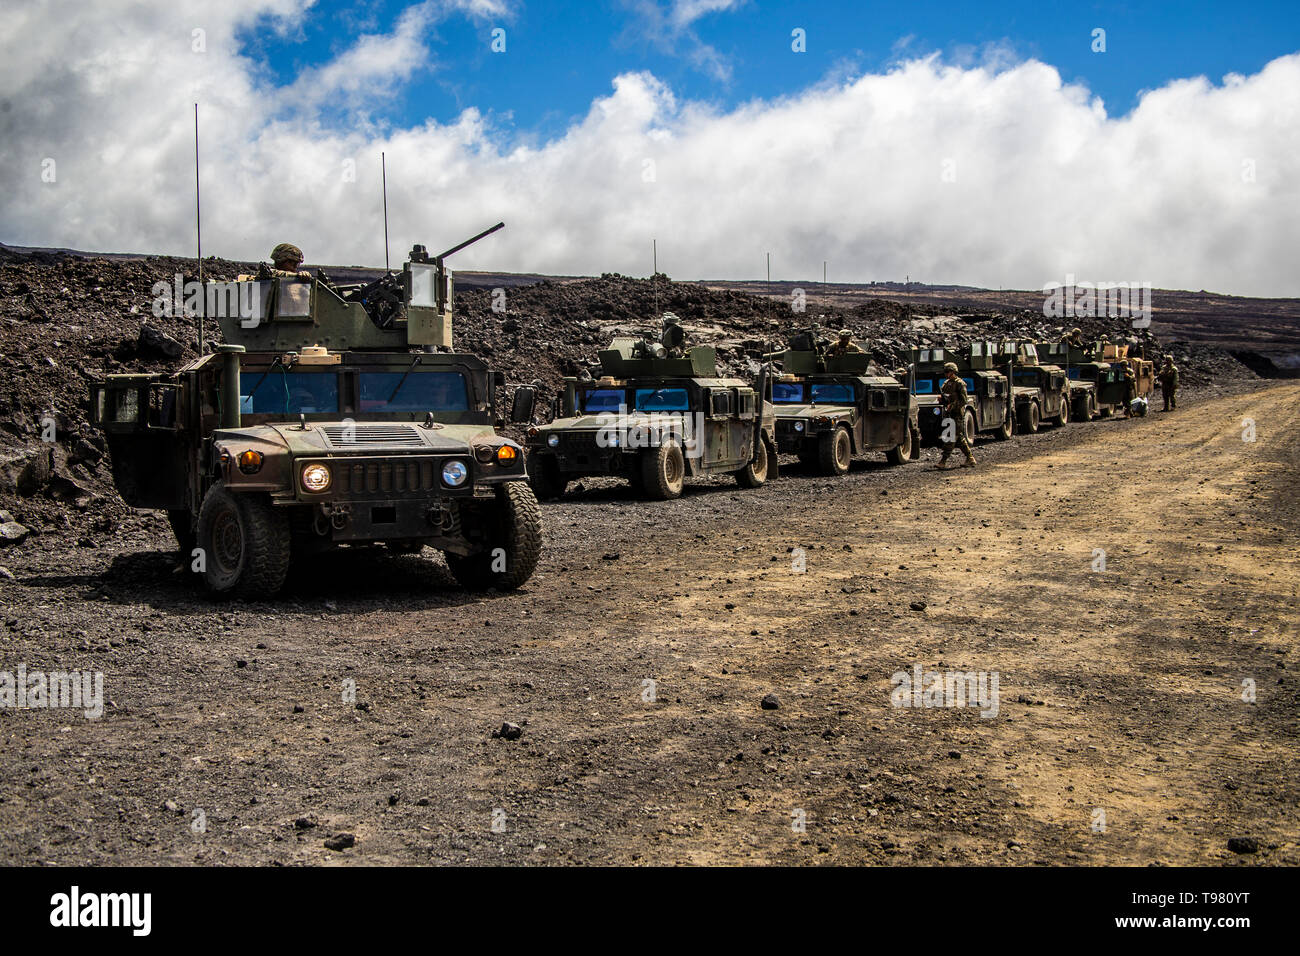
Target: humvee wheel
1086	409
1031	425
754	474
968	419
545	478
663	471
835	452
1063	416
514	542
245	543
916	441
1007	430
902	453
183	528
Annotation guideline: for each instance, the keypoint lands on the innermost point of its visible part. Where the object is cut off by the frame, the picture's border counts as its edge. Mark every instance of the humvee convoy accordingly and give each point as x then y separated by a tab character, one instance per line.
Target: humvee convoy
654	415
829	409
338	416
317	427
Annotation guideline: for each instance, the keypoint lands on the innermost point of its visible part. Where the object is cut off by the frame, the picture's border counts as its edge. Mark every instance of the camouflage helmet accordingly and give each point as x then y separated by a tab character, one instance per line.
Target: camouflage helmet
1076	331
671	318
286	250
846	334
950	367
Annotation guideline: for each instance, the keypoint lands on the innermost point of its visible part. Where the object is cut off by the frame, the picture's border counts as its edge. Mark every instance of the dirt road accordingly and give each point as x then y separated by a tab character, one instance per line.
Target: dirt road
1120	736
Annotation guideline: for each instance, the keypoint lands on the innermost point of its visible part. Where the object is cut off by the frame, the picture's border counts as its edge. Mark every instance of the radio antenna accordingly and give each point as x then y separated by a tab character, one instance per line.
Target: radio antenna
198	233
383	166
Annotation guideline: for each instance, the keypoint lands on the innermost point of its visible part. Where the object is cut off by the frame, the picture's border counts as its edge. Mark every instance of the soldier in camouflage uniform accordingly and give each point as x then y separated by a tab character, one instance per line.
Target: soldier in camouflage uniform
285	260
954	406
1075	338
844	345
1168	376
1130	388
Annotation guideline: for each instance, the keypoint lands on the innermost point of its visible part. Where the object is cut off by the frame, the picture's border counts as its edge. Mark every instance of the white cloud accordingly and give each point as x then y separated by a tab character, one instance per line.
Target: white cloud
1046	183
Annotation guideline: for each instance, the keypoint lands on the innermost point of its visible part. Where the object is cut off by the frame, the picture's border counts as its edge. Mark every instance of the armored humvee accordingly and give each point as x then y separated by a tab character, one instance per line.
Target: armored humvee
317	426
1096	386
655	415
1141	370
1041	392
829	409
988	408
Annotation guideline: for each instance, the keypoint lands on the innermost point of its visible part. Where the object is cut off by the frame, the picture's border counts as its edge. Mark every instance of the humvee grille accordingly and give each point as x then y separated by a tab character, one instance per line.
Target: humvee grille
366	436
402	476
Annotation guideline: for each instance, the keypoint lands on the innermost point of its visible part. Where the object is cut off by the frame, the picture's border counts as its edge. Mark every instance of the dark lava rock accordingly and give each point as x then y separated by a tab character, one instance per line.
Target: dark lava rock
341	841
509	731
1243	845
770	702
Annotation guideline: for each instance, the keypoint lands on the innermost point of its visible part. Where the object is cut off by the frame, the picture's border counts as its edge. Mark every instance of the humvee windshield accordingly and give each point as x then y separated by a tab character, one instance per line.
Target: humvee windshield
417	392
290	393
662	400
823	393
1026	377
597	400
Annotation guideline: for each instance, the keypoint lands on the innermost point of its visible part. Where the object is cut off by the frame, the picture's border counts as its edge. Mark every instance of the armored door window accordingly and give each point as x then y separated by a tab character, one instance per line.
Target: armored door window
720	402
162	406
294	301
746	396
877	398
126	405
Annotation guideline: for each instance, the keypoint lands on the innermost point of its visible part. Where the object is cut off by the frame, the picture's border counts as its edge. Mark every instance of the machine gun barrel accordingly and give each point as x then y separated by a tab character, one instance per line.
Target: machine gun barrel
457	248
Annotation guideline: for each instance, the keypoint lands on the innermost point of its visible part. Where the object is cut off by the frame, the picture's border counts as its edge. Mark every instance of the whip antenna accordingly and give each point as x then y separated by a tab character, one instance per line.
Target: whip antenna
383	166
198	233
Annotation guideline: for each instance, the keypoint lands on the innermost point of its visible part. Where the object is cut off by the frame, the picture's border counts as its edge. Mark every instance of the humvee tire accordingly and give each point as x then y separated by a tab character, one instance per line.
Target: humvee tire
916	441
1088	409
971	428
518	533
183	529
834	452
754	474
1063	416
663	471
245	543
1007	430
903	452
1031	426
546	480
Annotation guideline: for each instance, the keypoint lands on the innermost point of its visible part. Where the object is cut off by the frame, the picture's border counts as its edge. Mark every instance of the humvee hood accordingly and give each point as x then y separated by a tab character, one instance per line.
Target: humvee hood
332	438
811	411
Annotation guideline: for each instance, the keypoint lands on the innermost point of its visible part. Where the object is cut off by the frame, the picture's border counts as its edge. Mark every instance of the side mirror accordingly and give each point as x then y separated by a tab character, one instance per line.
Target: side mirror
521	407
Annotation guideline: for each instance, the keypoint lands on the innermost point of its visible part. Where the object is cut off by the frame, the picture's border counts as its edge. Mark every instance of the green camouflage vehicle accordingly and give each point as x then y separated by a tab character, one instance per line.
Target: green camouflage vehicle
655	416
1096	386
317	426
988	407
1041	392
829	409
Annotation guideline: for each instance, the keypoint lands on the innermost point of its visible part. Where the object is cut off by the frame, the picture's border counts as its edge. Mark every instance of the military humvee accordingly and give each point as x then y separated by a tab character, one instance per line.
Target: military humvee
1142	370
1041	392
1096	386
829	409
988	408
655	418
317	427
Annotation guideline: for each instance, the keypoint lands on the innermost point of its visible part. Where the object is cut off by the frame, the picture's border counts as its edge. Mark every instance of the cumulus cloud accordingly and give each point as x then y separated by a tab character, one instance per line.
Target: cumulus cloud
980	175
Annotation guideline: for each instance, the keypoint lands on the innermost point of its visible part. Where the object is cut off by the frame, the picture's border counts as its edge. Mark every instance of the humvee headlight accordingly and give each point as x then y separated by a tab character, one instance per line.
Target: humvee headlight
454	474
250	462
316	478
553	441
507	454
798	426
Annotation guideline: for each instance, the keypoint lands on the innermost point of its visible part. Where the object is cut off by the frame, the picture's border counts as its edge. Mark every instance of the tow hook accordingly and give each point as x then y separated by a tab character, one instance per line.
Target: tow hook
338	516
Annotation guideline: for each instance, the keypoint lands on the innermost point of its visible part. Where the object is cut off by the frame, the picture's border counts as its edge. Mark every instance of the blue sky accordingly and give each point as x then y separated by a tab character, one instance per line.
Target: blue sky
561	55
